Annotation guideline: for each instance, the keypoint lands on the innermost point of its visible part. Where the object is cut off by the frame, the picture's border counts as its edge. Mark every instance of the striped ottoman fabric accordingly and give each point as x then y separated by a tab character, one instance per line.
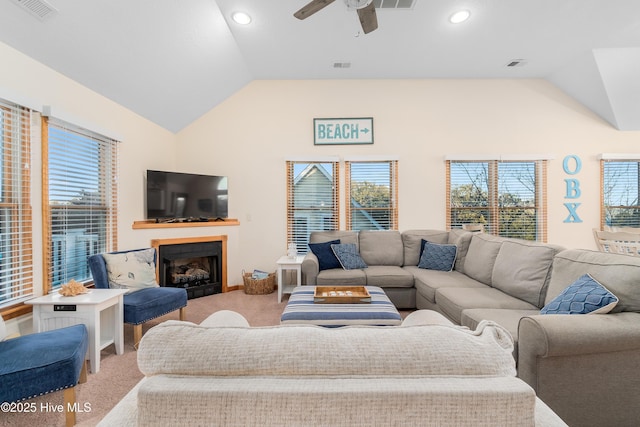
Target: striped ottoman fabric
302	310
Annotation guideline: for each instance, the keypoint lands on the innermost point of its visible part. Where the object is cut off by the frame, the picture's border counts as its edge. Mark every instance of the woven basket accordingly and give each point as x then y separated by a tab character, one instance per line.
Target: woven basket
259	286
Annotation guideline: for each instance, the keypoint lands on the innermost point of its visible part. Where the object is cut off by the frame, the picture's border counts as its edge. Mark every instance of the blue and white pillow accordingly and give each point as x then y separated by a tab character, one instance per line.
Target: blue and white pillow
584	296
436	256
134	270
326	258
347	254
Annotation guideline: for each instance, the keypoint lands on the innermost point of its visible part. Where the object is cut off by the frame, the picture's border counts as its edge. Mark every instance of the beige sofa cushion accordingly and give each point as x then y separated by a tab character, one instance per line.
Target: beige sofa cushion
316	351
481	256
381	247
462	239
412	239
388	276
522	270
339	277
452	301
338	402
327	236
620	274
427	282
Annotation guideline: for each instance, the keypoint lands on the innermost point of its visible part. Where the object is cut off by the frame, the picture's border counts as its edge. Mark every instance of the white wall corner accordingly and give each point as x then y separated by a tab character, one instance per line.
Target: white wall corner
581	79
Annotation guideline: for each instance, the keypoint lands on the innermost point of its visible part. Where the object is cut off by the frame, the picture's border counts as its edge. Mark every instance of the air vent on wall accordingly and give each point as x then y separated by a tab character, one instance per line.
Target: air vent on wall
41	9
394	4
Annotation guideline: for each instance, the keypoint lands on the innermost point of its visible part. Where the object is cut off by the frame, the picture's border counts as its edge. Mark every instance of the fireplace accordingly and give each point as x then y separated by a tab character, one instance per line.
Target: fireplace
196	264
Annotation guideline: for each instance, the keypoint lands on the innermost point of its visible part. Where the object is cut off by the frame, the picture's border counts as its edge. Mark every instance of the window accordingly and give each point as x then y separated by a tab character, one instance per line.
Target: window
312	200
620	178
80	182
16	262
372	195
507	197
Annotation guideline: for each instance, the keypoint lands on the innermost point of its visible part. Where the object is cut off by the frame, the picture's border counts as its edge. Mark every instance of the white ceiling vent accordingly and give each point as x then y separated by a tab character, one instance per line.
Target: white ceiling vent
517	63
41	9
394	4
342	64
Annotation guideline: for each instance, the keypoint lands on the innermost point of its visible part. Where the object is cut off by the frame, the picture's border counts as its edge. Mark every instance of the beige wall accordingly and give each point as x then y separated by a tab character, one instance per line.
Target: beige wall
249	136
28	82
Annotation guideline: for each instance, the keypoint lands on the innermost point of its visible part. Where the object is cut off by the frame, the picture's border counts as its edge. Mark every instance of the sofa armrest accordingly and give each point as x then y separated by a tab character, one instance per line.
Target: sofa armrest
583	361
310	269
567	335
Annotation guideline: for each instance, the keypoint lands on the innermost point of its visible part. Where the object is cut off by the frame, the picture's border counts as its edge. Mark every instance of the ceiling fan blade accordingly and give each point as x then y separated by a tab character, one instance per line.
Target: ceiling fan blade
368	18
311	8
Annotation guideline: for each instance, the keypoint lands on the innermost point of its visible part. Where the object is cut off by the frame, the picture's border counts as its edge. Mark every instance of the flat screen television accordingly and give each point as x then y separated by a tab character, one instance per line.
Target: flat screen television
185	196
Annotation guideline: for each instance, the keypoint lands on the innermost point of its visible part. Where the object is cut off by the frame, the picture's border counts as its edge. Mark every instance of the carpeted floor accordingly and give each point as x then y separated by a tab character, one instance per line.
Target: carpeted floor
119	373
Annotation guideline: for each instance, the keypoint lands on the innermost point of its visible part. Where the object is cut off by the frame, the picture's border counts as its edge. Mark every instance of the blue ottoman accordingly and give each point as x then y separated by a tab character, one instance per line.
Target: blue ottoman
44	362
302	310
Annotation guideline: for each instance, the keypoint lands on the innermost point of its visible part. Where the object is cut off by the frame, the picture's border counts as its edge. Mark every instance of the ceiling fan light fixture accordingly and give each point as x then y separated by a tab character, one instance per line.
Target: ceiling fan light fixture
357	4
459	17
241	18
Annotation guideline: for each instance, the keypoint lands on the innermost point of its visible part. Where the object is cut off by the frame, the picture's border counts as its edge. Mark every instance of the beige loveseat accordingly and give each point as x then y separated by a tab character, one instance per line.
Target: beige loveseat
585	367
225	373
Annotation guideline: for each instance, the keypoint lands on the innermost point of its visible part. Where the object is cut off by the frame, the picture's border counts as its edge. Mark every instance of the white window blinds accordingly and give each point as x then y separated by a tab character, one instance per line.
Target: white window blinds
620	183
372	195
312	200
81	181
16	261
507	197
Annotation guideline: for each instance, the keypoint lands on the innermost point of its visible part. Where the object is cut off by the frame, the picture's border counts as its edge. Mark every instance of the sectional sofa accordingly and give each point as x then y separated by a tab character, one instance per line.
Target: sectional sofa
585	367
225	373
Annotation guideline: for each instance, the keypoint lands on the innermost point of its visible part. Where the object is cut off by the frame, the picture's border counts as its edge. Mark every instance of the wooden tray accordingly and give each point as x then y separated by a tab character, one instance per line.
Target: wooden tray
341	295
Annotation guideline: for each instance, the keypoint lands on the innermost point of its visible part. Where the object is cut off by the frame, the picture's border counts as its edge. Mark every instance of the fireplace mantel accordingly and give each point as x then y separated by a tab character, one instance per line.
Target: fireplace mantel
139	225
156	243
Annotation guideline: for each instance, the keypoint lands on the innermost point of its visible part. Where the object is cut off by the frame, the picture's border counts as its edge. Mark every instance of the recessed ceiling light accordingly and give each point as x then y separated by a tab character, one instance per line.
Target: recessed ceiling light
241	18
459	16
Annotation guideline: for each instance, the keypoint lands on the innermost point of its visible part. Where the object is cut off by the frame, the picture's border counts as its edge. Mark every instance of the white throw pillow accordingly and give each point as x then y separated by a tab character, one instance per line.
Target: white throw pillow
133	270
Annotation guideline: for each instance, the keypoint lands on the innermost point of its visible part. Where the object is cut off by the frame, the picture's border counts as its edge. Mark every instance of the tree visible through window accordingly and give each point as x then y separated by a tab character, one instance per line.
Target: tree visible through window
82	200
507	197
620	193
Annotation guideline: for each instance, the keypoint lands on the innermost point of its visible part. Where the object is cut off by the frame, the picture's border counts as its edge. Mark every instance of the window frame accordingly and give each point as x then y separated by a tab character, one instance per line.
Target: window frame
108	183
494	223
610	159
17	122
392	207
332	221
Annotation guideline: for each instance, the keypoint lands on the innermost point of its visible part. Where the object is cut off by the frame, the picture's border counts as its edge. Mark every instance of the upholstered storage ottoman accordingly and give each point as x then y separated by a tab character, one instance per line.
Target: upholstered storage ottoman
302	310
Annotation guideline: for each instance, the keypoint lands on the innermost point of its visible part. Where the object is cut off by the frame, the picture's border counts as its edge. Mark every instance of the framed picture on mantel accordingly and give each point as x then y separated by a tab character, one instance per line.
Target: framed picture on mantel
345	131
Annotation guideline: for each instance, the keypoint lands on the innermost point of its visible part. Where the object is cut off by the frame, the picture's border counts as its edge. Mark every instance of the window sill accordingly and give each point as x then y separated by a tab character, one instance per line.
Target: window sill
14	311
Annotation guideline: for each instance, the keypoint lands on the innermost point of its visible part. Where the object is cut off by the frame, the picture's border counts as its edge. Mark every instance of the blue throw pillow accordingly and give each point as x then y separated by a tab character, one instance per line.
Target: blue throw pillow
584	296
348	256
326	258
437	256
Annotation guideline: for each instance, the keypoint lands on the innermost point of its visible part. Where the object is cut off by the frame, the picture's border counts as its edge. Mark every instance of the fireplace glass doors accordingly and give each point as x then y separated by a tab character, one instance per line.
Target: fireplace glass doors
197	267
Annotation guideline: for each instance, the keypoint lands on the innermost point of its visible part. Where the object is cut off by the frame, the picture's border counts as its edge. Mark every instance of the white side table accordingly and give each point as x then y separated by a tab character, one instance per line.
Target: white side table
100	310
286	263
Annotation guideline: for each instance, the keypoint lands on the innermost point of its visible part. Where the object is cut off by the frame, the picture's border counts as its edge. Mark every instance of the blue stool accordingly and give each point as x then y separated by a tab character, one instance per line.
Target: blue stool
44	362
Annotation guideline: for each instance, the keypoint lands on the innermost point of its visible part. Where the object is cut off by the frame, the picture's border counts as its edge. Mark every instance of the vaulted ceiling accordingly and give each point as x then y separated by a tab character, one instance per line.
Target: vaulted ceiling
171	61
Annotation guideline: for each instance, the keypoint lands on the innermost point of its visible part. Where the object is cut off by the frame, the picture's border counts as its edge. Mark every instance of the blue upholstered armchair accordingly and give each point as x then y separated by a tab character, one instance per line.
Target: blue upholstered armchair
144	304
40	363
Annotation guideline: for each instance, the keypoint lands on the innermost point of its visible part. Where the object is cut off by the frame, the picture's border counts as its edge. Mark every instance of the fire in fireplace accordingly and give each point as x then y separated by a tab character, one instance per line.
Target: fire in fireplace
197	267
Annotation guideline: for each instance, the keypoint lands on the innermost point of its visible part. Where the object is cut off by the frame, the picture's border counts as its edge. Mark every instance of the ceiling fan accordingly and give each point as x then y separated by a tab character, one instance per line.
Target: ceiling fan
366	11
